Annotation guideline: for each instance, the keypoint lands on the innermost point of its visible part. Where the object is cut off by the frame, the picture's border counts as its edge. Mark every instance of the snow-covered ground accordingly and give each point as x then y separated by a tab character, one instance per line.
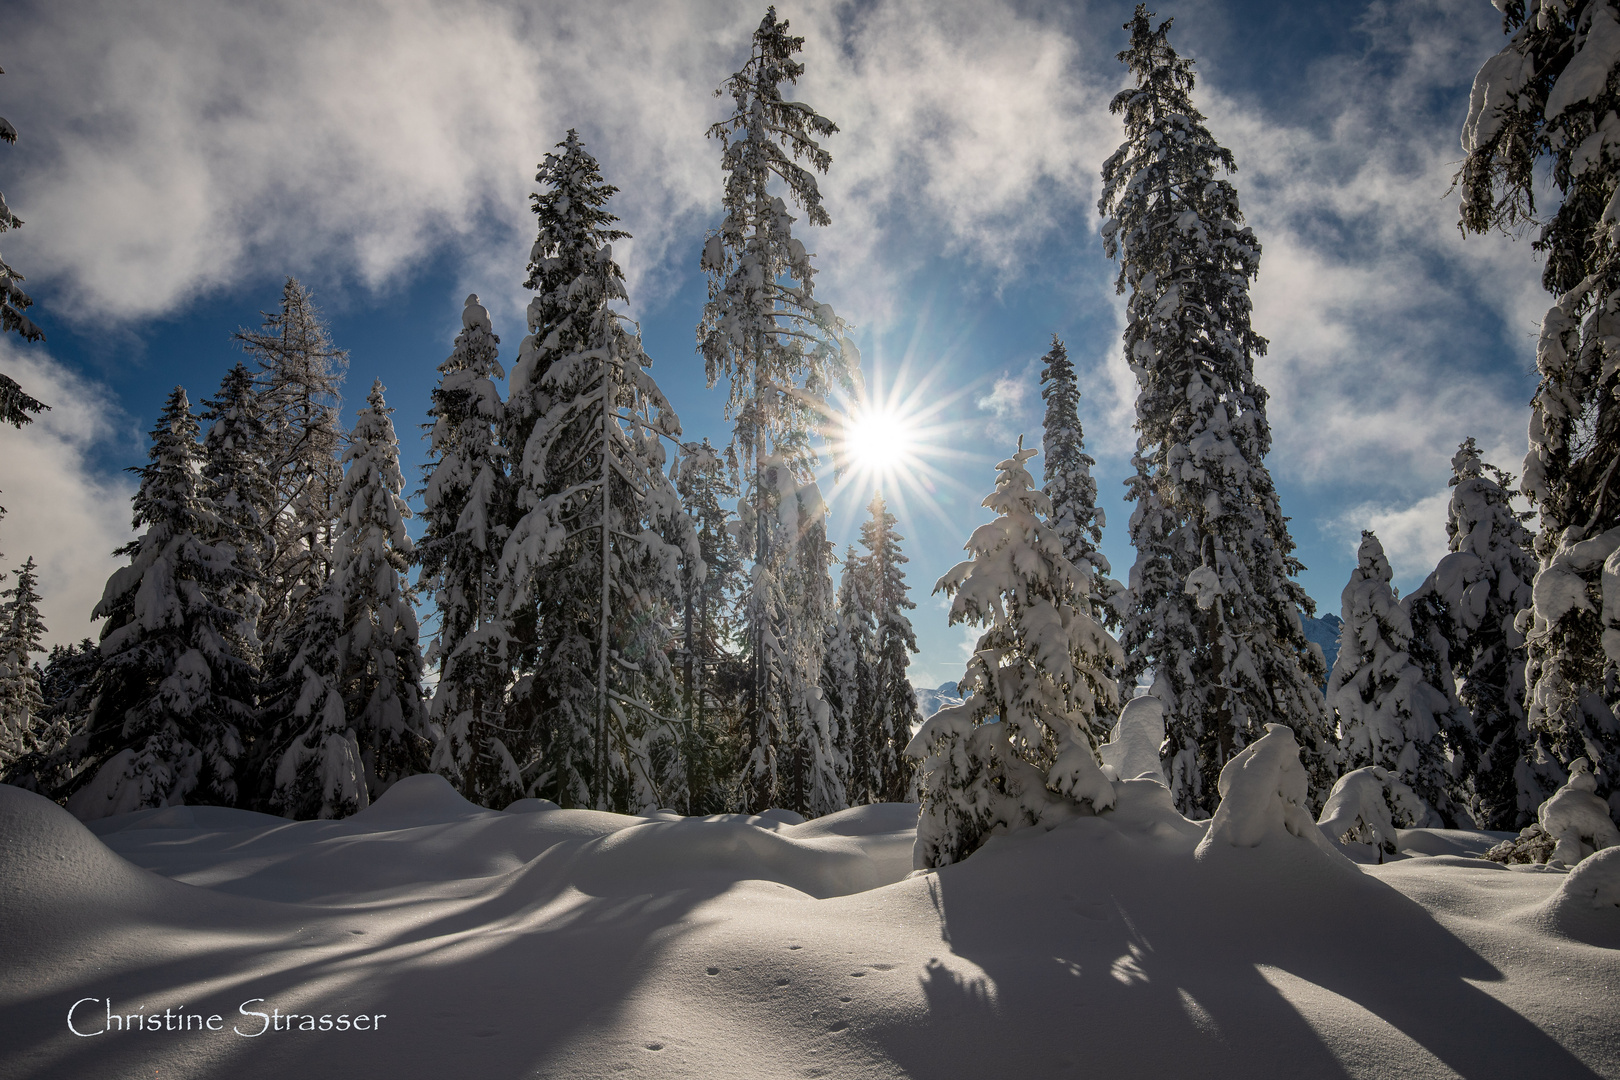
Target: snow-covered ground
577	944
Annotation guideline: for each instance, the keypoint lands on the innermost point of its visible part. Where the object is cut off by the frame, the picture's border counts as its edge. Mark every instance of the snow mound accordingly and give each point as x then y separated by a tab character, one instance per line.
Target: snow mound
1263	800
56	877
1586	906
426	798
662	856
1594	883
217	818
786	817
44	845
1576	818
1362	808
531	806
1132	749
874	819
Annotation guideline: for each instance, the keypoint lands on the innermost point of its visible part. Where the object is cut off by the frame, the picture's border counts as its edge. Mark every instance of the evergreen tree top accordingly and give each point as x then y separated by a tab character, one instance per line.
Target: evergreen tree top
24	628
1371	563
763	117
574	227
1164	80
169	479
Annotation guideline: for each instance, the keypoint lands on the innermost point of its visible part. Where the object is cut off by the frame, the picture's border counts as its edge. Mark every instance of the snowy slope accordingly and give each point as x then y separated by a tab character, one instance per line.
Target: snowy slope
577	944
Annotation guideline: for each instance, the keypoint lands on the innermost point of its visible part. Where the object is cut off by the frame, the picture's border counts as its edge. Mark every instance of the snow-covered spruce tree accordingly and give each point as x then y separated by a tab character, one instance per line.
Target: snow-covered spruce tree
299	374
67	686
817	763
464	493
1390	715
598	553
846	677
886	773
711	674
1214	610
1550	96
379	649
1019	745
574	231
237	484
15	404
319	771
1069	484
781	351
22	633
1464	625
171	694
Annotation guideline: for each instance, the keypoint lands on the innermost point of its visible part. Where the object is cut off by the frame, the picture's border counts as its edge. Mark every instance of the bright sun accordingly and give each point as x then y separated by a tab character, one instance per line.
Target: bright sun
877	441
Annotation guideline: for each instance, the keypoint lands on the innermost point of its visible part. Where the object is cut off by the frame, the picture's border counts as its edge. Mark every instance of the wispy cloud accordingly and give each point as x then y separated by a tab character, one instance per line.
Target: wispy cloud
61	511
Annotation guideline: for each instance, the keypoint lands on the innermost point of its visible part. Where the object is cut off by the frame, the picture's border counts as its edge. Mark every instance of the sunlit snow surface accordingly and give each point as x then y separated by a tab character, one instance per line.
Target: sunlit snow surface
577	944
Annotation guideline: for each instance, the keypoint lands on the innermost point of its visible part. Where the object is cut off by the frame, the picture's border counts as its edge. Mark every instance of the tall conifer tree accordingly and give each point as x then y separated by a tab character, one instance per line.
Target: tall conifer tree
1069	484
884	773
598	550
1469	609
1389	712
22	633
299	376
710	672
465	492
782	351
380	647
238	485
171	694
1215	614
1544	107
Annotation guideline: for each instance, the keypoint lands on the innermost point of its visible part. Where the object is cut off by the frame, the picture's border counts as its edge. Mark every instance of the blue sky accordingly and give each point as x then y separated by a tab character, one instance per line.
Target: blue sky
178	159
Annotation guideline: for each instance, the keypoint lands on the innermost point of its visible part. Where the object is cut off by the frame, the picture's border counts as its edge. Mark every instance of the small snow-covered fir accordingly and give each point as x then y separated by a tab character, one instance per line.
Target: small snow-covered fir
1038	686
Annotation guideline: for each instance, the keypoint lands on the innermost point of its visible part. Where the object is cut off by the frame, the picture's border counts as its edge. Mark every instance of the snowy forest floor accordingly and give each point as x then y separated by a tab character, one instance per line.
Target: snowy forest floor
564	943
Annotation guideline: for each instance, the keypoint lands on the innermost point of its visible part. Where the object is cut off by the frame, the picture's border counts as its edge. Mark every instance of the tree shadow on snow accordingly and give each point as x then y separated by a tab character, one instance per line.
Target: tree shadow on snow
1086	953
500	982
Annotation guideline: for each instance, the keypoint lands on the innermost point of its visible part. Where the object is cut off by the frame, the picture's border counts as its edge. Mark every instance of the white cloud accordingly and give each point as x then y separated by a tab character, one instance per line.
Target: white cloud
61	511
1414	536
1379	363
170	149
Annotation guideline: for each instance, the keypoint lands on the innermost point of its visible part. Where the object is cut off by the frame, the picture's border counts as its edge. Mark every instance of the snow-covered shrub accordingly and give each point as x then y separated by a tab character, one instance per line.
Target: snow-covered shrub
1576	818
1367	805
1570	826
1264	793
1132	749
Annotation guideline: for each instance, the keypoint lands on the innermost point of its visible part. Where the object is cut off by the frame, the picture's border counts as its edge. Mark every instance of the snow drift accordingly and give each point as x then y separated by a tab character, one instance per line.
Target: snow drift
566	943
